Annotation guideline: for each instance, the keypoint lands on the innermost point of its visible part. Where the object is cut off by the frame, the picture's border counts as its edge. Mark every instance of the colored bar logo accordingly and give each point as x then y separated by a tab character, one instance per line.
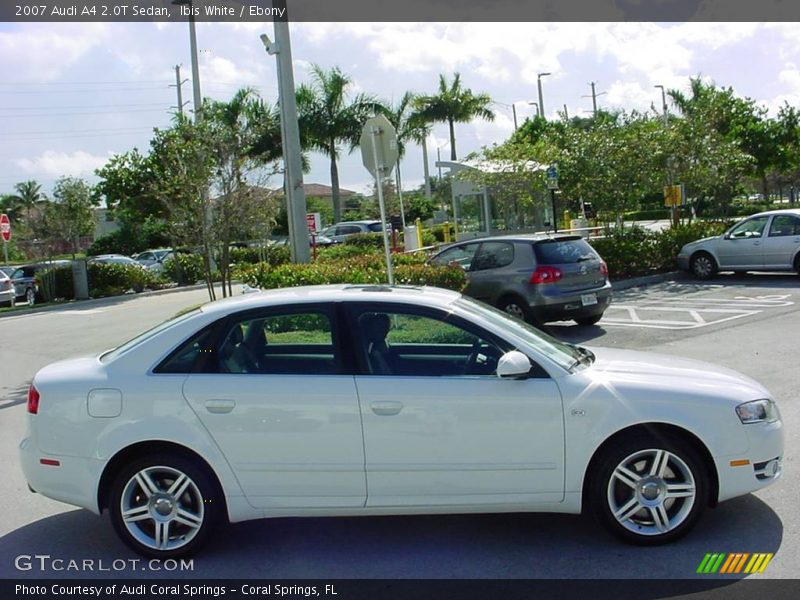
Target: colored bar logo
735	562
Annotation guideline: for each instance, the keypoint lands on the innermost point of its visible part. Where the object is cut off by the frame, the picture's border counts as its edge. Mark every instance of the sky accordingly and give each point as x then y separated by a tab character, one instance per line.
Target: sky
72	95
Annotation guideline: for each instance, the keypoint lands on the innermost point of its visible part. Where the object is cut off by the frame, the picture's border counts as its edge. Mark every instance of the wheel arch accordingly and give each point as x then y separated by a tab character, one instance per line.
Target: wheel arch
144	448
704	251
657	431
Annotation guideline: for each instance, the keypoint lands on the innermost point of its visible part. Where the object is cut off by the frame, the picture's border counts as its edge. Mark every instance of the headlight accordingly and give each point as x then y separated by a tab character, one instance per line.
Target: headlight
757	411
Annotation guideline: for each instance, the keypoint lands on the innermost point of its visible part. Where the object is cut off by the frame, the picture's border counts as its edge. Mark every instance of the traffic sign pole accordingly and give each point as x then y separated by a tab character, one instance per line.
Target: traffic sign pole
5	231
379	184
5	251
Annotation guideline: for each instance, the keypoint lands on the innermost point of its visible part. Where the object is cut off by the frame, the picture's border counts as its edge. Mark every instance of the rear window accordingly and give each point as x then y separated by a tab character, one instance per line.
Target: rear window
563	252
375	227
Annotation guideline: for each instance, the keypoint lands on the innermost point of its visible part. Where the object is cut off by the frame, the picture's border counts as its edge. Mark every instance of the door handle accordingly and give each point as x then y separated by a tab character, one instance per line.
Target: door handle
220	407
386	409
756	243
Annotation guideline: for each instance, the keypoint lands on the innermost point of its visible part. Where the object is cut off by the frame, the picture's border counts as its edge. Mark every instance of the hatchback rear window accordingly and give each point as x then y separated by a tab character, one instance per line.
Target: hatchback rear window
563	252
375	227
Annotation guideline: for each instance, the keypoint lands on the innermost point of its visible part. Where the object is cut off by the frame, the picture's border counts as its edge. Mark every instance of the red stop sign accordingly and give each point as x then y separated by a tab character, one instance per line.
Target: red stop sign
5	227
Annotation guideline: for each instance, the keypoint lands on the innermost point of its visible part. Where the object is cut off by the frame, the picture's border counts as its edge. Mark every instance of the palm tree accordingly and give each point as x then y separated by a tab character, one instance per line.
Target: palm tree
454	104
29	194
328	118
410	127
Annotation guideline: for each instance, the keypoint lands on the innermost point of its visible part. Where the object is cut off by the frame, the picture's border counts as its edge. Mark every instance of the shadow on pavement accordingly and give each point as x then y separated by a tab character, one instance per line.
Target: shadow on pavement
14	397
506	546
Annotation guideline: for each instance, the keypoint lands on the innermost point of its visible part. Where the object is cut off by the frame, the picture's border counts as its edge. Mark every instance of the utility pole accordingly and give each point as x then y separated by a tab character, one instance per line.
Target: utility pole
439	160
594	98
663	103
566	113
290	130
425	167
178	86
514	110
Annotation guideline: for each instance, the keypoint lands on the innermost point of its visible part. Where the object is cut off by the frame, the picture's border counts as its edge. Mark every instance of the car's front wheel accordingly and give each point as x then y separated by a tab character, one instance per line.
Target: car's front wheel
164	506
30	296
649	491
703	265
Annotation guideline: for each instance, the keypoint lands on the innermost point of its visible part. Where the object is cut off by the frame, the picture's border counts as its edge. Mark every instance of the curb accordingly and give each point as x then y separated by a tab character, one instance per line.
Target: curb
625	284
81	304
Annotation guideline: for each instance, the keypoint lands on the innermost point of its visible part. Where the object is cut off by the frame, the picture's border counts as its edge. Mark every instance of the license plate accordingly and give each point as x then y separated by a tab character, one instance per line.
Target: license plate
588	299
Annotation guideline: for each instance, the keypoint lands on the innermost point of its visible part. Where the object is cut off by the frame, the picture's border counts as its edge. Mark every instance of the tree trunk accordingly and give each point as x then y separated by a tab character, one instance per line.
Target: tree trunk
452	140
337	208
764	186
425	168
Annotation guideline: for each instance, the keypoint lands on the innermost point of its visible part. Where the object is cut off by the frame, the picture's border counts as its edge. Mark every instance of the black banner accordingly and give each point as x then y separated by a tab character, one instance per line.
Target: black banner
381	589
394	10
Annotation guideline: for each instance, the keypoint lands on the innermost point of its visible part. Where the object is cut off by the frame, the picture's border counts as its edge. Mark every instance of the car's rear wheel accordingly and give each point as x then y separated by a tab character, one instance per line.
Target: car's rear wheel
703	265
797	264
515	307
586	321
649	490
30	296
164	506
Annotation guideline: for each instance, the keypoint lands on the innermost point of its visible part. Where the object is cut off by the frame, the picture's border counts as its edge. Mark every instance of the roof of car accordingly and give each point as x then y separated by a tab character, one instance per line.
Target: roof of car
333	293
779	211
523	237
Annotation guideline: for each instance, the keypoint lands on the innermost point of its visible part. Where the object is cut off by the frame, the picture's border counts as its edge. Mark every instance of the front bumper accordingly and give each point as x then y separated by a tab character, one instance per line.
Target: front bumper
765	456
683	262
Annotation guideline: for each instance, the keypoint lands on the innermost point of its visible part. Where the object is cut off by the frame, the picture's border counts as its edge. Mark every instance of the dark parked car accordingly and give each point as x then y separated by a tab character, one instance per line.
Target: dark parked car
536	278
24	280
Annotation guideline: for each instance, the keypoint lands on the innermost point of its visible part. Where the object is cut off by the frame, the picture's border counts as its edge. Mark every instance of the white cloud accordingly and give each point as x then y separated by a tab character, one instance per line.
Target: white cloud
56	164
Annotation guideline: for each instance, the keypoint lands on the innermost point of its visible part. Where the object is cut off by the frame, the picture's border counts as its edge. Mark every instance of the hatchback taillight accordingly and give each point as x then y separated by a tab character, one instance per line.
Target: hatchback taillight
546	275
603	268
33	400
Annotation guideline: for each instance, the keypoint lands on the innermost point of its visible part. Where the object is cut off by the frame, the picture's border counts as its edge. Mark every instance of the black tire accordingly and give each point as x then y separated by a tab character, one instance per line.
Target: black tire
200	503
797	264
587	321
516	307
609	493
703	265
30	296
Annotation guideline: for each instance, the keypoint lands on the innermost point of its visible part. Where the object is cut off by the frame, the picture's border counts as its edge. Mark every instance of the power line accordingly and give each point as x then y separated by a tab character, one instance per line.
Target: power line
163	108
61	107
131	82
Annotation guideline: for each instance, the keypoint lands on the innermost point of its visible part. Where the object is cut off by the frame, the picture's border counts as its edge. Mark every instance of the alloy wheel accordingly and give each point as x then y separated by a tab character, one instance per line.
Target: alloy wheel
703	266
162	508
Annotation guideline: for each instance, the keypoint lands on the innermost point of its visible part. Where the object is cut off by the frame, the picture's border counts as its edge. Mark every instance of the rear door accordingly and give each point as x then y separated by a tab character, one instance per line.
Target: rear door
276	398
489	272
782	242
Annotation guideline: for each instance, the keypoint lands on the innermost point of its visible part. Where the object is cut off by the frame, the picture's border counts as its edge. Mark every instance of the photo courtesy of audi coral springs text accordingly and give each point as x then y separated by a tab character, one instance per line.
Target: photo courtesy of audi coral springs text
376	400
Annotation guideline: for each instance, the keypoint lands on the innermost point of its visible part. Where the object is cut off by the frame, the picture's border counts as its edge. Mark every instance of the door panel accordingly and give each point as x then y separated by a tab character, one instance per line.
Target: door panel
462	440
782	242
743	246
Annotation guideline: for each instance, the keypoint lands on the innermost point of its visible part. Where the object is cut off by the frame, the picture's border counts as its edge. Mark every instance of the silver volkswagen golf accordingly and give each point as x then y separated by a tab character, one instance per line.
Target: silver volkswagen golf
767	241
536	278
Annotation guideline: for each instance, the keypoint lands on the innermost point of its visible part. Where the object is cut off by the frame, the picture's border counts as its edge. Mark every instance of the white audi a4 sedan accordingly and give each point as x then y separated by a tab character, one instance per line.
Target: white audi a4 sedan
375	400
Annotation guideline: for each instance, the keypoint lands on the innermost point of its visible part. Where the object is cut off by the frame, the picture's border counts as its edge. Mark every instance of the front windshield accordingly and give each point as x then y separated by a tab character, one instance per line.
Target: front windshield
120	350
567	356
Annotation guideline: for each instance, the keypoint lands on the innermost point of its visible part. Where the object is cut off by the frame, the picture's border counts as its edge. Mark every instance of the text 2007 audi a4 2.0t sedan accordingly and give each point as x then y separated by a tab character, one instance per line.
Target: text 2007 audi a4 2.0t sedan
367	400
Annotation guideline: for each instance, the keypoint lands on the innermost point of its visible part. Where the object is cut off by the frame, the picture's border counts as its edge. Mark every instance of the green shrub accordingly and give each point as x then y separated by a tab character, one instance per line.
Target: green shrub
274	255
184	268
56	284
365	239
116	279
129	240
345	251
648	215
365	269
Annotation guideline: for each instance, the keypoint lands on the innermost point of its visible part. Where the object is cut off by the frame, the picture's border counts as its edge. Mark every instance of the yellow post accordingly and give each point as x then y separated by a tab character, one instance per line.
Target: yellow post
418	226
566	220
447	232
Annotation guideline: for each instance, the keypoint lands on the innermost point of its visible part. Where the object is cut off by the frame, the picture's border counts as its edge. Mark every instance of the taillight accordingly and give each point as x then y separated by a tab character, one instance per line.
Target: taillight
33	400
603	268
545	275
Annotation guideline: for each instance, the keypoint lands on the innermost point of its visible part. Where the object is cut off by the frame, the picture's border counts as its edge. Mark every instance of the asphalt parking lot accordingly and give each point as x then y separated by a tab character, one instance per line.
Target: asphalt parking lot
748	323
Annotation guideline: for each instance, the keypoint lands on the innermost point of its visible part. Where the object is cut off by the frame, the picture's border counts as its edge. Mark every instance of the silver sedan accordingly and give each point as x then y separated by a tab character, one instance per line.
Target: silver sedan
767	241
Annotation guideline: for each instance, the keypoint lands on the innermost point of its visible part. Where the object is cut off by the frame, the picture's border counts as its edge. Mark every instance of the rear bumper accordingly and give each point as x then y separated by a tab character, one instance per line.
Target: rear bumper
571	307
73	481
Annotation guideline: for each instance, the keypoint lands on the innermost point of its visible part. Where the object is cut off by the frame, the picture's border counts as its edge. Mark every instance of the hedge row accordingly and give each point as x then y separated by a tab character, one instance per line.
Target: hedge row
634	252
364	269
104	280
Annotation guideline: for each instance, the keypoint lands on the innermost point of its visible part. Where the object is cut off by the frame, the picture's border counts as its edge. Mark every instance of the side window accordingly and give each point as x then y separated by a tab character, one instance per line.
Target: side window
784	225
186	359
460	255
298	343
403	343
348	229
375	227
493	255
17	274
752	228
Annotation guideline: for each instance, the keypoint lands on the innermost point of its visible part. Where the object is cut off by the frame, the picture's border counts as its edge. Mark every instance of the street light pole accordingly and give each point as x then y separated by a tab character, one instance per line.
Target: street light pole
539	85
536	104
514	110
663	102
290	130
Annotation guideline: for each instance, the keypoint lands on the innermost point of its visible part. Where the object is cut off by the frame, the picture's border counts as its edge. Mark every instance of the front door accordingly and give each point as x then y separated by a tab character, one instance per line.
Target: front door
277	404
742	247
440	428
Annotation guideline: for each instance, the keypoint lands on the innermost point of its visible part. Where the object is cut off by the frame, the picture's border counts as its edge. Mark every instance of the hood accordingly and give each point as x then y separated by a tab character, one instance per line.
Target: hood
701	240
682	375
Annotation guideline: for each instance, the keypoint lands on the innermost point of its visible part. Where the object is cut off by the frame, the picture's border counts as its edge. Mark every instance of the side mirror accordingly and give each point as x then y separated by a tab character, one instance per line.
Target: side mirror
513	365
